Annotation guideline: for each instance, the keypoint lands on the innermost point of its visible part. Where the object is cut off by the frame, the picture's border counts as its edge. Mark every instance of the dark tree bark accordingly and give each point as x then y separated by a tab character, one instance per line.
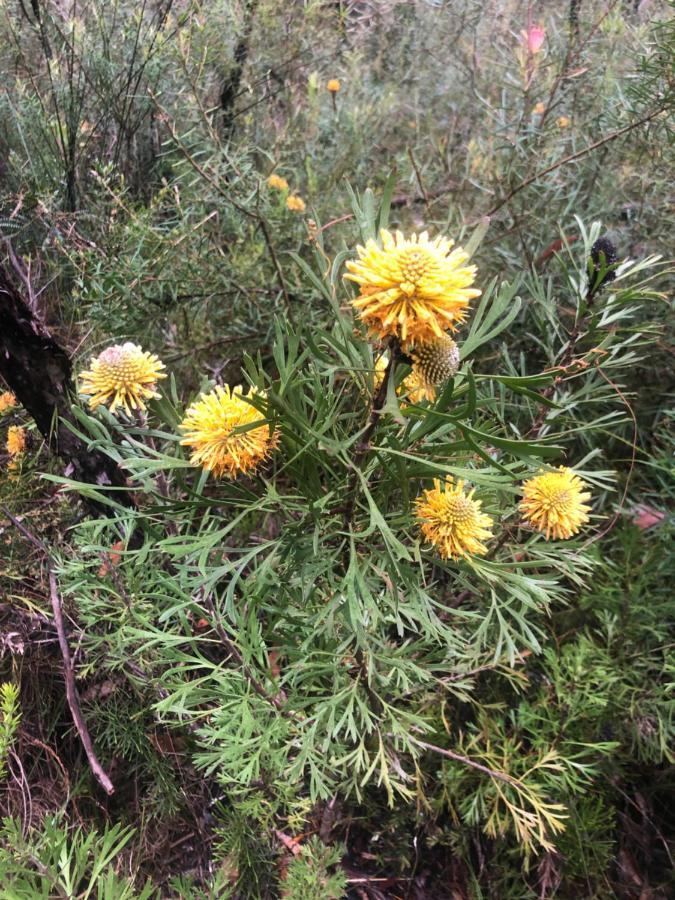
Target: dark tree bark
232	83
39	372
575	8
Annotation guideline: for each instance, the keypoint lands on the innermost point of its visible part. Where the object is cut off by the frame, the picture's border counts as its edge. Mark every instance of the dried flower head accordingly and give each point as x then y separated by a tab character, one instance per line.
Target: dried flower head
123	375
539	108
451	520
554	503
295	203
277	182
333	85
412	288
210	427
16	440
7	401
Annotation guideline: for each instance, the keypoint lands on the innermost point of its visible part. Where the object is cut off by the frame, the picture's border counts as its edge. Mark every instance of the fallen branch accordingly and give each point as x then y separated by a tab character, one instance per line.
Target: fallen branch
72	695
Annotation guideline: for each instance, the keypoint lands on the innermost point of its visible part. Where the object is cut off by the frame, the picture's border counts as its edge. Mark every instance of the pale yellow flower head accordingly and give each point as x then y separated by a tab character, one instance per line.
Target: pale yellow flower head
563	122
16	440
451	520
413	288
123	375
7	401
553	503
295	203
210	430
277	182
333	85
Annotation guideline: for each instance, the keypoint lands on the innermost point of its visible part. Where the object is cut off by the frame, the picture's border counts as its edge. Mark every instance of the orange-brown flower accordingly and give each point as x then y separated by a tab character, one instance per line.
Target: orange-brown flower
7	401
16	440
295	203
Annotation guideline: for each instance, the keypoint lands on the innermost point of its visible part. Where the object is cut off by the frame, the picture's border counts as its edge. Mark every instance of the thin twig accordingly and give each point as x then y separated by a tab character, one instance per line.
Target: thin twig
364	444
234	652
72	695
256	216
418	175
467	761
573	156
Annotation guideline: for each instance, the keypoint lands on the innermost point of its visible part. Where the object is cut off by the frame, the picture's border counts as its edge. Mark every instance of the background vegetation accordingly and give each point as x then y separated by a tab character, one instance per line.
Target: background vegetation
290	702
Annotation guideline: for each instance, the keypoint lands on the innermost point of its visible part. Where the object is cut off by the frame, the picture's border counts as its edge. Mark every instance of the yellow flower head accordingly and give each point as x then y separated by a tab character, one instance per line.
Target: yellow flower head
7	401
412	288
209	427
452	521
16	440
333	85
277	182
563	122
295	203
414	386
553	503
539	109
123	375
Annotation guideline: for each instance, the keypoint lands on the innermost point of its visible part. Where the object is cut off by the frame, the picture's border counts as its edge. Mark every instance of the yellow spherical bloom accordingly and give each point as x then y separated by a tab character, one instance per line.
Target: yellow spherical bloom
412	288
414	386
553	503
333	85
451	520
417	388
295	203
563	122
210	429
123	375
7	401
539	109
277	182
16	440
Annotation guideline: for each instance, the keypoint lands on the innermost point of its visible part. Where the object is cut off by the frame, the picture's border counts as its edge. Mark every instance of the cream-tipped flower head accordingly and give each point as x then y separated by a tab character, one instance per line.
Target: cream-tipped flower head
295	203
16	440
413	288
210	430
123	375
277	182
333	85
554	503
452	521
7	401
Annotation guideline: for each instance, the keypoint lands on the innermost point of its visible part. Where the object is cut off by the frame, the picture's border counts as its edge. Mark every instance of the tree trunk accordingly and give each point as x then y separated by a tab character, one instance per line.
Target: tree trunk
232	84
39	372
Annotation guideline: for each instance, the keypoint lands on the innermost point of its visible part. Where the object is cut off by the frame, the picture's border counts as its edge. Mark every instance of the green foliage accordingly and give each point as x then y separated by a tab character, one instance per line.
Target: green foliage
308	873
284	681
52	863
10	718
